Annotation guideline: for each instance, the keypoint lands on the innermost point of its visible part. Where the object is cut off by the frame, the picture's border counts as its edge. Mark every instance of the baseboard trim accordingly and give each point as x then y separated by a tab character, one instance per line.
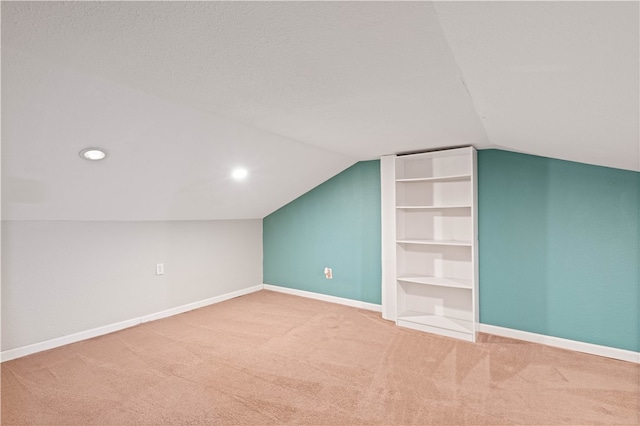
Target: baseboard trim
325	298
21	351
574	345
99	331
590	348
199	304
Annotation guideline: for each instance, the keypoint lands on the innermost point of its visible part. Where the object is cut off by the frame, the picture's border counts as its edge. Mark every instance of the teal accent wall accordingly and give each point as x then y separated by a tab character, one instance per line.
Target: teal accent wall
336	224
559	248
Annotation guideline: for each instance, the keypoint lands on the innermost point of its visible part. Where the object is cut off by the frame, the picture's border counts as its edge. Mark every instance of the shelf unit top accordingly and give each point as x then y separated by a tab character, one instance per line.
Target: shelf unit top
467	150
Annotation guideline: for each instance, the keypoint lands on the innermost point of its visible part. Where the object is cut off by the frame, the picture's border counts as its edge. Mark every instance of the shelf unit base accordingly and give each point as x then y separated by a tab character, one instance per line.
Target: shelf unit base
450	327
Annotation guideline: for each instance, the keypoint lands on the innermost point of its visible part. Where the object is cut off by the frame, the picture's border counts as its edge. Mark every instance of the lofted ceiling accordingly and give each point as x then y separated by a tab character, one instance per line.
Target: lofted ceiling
179	93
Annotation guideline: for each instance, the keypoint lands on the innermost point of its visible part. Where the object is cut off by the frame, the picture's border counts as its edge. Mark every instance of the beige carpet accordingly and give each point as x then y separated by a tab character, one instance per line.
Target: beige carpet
269	358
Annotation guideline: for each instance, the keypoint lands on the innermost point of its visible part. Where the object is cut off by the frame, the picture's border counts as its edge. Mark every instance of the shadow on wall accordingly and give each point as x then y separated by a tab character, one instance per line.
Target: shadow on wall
559	248
513	241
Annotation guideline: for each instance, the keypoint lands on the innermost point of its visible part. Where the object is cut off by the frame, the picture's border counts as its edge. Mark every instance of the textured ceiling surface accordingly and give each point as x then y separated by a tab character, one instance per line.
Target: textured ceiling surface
181	92
557	79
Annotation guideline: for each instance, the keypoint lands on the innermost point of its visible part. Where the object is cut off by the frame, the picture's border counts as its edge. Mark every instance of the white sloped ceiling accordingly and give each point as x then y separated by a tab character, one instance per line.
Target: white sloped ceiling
181	92
557	79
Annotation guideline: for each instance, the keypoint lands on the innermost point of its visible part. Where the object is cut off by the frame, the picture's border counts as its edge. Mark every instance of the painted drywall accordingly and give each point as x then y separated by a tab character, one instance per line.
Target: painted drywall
559	248
65	277
336	225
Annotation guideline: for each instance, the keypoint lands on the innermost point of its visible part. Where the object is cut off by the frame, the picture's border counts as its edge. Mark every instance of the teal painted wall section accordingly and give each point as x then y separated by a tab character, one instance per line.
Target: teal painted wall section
336	224
559	248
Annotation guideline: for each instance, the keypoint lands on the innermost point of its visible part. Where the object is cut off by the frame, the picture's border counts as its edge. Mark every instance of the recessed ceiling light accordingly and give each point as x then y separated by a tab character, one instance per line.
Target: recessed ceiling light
239	173
93	154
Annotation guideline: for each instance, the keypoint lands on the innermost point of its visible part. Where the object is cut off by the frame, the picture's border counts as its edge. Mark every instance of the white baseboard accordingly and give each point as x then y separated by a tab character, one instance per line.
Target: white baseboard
590	348
21	351
99	331
333	299
199	304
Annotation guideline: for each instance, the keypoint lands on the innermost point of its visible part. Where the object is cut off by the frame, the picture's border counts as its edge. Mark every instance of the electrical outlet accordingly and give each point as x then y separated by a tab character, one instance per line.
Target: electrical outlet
160	269
328	273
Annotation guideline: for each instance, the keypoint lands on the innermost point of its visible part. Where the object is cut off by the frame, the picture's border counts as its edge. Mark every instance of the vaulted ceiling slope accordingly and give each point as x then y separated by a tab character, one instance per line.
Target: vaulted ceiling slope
181	92
557	79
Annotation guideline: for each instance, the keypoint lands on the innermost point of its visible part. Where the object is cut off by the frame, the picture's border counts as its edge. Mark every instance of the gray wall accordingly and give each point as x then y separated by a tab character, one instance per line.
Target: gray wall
60	278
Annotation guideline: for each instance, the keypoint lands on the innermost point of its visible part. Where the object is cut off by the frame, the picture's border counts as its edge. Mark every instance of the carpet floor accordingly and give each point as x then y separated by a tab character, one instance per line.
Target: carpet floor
270	358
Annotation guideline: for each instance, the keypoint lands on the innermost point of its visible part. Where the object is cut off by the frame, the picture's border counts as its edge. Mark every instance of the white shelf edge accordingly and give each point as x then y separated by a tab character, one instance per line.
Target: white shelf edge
432	207
436	242
436	281
436	178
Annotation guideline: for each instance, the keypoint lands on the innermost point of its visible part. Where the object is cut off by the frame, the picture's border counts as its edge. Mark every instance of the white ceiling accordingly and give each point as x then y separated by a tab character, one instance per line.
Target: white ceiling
181	92
557	79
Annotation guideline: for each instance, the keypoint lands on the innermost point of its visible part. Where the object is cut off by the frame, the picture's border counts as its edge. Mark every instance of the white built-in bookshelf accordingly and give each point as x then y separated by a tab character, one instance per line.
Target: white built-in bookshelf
430	248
